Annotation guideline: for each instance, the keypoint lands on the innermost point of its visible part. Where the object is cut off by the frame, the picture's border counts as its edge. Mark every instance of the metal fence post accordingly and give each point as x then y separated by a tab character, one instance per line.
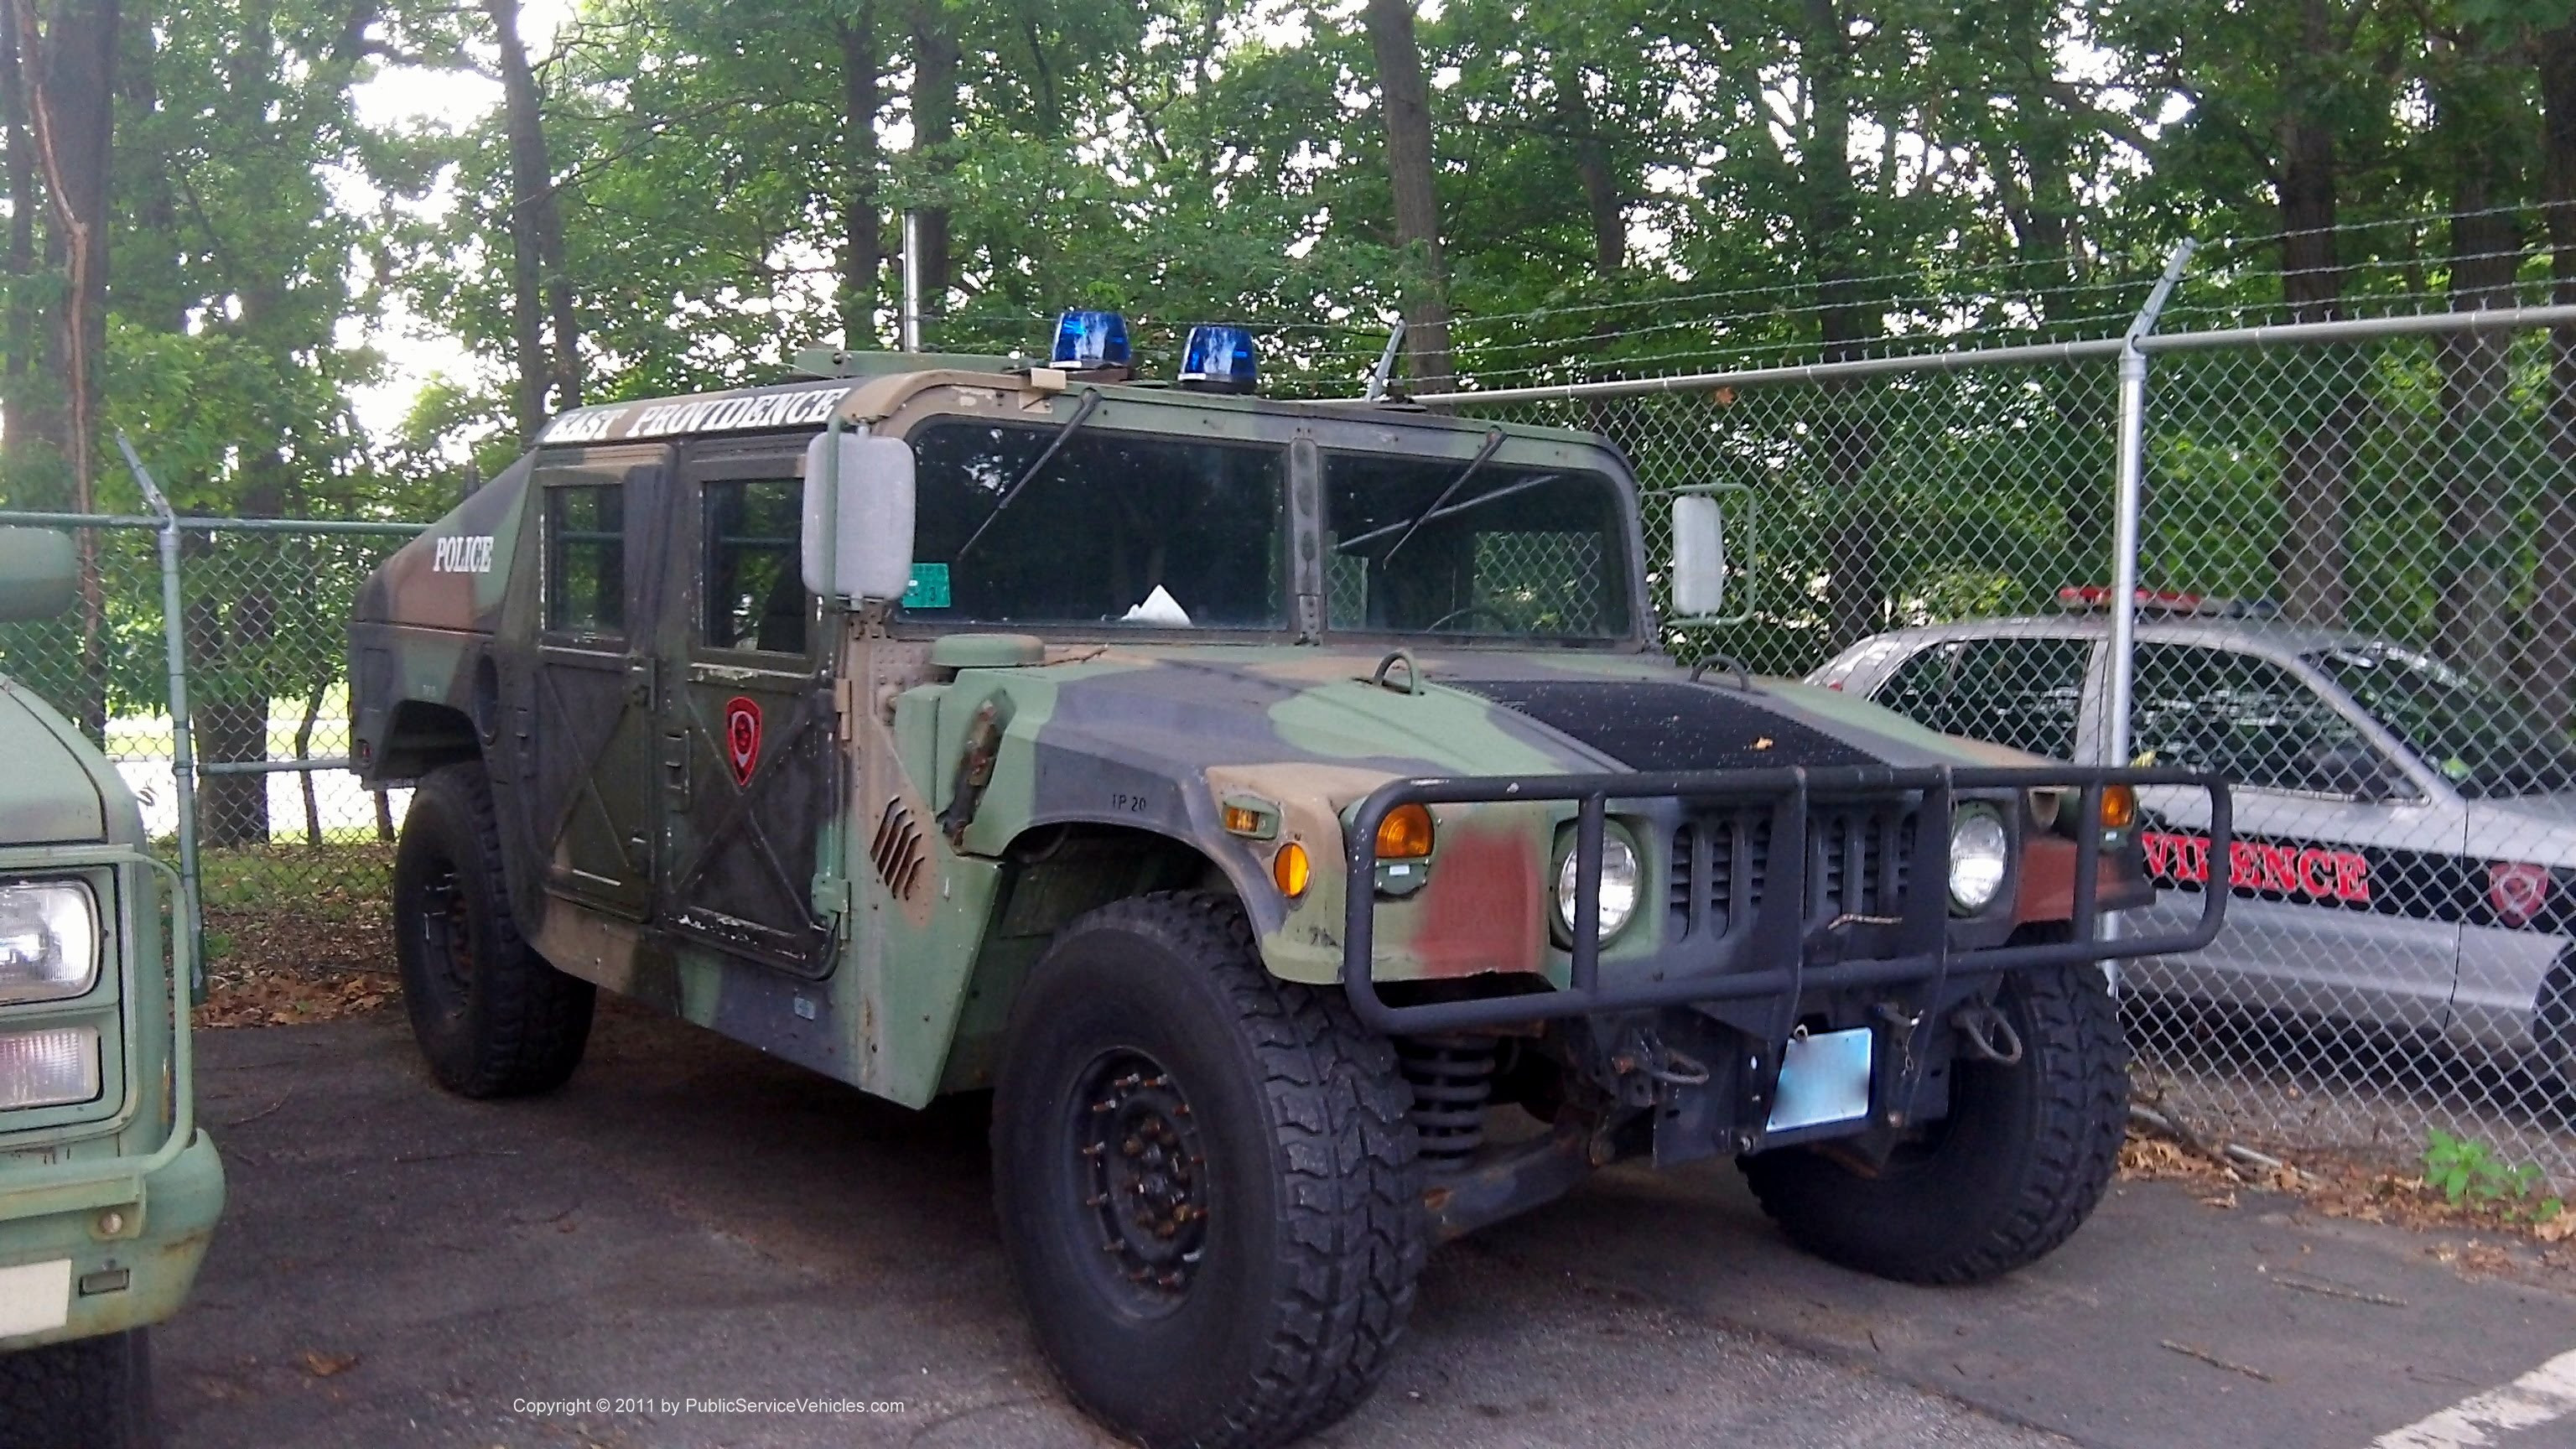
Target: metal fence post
183	755
2131	486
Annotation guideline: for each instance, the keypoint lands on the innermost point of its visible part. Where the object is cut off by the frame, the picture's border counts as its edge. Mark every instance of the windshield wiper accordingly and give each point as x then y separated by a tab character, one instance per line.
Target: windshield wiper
1437	513
1010	495
1493	441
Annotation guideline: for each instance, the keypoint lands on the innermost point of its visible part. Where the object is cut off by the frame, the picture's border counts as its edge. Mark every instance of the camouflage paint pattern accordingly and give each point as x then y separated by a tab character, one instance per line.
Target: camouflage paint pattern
1110	756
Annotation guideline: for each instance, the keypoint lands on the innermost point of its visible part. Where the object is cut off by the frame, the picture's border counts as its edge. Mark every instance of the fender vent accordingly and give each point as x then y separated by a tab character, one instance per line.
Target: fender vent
897	852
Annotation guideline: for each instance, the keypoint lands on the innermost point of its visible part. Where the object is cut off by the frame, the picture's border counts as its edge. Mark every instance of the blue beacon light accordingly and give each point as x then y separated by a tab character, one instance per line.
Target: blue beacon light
1085	340
1219	359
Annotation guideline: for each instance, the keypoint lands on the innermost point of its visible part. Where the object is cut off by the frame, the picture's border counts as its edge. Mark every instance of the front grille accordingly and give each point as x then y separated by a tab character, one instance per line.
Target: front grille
1859	857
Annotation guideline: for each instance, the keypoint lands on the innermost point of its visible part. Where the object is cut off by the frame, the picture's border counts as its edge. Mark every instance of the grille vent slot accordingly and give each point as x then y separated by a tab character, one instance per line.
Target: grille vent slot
898	852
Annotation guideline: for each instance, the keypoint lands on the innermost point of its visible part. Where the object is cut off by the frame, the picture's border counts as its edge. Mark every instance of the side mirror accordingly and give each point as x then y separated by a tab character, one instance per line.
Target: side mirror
858	516
1699	559
39	573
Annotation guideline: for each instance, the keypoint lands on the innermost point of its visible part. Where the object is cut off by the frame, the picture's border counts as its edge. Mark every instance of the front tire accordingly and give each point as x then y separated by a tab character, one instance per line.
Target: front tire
2017	1166
1205	1180
90	1393
493	1019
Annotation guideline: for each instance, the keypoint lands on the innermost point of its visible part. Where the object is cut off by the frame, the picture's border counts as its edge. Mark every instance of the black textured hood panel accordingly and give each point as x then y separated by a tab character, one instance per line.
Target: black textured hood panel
1648	725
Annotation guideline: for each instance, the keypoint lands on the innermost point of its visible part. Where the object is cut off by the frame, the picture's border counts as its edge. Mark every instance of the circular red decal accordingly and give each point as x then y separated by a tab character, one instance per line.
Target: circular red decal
742	737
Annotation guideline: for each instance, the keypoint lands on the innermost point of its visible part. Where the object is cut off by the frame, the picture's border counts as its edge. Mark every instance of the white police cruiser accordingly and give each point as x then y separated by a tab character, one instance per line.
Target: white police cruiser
2405	850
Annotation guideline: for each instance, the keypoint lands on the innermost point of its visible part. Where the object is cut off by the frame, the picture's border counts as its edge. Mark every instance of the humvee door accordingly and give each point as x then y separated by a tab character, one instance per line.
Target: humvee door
592	738
745	734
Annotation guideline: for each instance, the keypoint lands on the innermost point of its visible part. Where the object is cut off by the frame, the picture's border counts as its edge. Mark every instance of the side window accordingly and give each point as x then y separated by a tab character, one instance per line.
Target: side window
585	581
2016	691
2246	718
752	588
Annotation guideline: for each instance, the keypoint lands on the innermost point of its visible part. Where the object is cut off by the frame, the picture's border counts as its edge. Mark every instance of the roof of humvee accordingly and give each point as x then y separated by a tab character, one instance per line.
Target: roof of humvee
810	402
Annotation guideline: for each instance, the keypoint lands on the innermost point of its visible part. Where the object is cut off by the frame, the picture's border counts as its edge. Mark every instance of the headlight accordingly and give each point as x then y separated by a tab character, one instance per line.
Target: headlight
1979	850
48	941
48	1068
1618	885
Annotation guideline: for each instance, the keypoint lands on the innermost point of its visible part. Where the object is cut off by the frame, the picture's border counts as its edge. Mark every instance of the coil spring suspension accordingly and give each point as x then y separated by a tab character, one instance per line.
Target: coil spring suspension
1452	1079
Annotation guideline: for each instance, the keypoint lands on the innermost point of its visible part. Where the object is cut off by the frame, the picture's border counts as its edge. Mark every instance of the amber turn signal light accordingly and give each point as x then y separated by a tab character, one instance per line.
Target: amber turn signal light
1405	833
1291	870
2119	807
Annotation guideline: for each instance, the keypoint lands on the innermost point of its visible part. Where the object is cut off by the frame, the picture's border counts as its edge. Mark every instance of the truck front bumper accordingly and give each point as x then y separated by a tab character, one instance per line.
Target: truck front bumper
75	1267
1791	941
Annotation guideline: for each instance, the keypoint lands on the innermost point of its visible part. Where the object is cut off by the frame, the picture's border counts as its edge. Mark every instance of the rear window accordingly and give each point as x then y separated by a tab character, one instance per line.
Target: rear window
585	581
2022	692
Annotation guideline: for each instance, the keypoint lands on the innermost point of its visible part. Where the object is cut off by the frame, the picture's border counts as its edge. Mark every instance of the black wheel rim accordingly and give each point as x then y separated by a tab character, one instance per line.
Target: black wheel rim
1141	1170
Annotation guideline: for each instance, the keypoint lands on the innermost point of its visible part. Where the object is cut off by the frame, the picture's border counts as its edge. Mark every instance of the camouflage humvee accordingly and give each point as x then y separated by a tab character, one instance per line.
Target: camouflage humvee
108	1192
1285	809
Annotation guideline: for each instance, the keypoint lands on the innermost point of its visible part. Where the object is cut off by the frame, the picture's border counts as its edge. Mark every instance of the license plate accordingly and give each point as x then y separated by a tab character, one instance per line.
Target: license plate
35	1298
1823	1079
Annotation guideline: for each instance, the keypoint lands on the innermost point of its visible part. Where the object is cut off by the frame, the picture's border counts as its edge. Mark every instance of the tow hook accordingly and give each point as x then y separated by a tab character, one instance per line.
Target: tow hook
1645	1055
1989	1035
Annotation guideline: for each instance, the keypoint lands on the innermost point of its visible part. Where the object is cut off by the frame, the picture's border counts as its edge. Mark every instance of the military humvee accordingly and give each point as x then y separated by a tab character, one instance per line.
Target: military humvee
108	1191
1284	809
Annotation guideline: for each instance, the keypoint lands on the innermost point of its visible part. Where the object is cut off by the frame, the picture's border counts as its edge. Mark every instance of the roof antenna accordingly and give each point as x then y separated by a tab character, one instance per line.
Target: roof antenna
1385	364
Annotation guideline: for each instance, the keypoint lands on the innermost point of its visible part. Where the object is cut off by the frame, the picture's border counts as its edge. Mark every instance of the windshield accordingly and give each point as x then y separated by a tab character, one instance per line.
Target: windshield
2484	743
1115	528
1437	545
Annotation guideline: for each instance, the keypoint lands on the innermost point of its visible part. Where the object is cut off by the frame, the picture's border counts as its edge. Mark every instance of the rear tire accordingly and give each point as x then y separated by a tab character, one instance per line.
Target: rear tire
1205	1179
90	1393
2017	1166
492	1018
2553	1030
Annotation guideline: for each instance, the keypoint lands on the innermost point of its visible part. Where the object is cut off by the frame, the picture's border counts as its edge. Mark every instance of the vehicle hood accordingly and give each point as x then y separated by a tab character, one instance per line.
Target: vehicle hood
1470	713
56	790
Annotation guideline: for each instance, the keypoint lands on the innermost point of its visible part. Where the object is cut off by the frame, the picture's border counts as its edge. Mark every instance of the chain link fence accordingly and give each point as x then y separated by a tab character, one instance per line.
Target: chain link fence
287	854
2357	557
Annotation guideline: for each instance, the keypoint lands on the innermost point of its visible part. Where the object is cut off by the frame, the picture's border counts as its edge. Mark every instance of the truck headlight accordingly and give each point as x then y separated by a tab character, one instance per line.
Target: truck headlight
1980	849
48	940
48	1068
1618	885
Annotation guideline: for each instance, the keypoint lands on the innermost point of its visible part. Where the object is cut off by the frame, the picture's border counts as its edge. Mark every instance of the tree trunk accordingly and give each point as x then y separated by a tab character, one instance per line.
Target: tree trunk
935	57
1846	434
230	618
541	288
22	421
2473	616
2316	447
2550	660
1605	199
862	245
1404	104
68	66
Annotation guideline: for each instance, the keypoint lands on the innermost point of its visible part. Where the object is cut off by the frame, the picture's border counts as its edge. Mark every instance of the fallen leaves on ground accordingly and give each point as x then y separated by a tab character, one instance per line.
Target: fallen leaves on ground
281	967
2356	1190
324	1365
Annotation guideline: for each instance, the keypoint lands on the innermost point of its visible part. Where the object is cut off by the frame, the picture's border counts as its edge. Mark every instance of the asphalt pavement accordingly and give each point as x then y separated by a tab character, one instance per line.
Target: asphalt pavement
695	1245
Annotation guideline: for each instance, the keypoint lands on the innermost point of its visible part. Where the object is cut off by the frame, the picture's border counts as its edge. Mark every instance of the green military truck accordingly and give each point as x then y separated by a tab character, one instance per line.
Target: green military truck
108	1192
1287	810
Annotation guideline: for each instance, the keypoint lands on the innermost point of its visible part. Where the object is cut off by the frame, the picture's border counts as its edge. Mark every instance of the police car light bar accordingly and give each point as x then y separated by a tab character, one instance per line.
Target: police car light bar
1219	359
1085	340
2093	598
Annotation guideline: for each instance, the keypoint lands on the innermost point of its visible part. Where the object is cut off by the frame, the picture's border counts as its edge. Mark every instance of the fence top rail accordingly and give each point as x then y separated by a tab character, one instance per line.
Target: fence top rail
2357	329
210	525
